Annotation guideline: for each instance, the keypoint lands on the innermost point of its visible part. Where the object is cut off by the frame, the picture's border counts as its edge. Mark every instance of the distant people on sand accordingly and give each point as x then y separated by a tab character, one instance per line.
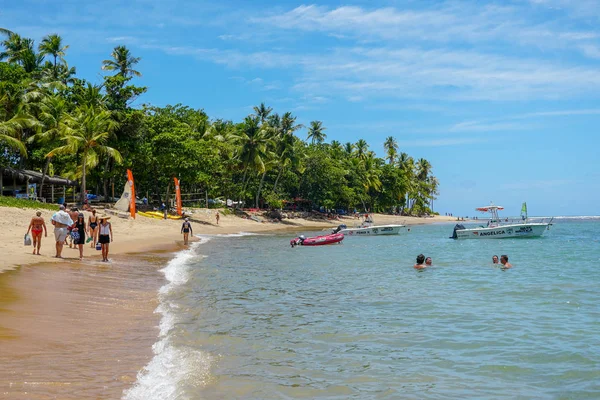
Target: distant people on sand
37	225
504	262
420	262
93	228
186	229
494	259
78	233
61	221
105	236
218	216
428	261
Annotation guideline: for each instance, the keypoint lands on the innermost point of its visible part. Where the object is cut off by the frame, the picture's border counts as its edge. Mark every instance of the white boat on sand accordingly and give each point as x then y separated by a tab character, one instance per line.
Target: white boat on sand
368	229
498	229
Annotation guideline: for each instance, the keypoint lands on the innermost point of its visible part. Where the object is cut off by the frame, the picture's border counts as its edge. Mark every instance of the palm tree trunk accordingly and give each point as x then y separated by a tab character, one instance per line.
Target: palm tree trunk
104	180
44	176
243	185
262	179
277	179
83	171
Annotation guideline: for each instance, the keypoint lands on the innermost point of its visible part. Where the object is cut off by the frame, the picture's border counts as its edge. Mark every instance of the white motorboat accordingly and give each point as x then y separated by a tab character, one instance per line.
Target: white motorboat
368	229
498	229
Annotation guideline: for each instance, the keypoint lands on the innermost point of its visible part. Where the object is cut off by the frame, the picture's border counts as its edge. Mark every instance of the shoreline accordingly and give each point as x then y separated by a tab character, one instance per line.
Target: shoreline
148	234
104	314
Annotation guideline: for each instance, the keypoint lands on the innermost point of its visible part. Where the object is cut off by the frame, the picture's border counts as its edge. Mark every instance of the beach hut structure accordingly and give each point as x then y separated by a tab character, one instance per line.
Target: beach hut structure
25	183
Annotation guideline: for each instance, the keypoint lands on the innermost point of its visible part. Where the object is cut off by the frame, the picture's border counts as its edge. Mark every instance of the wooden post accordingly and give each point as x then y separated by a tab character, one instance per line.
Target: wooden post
52	193
1	186
64	196
74	190
113	192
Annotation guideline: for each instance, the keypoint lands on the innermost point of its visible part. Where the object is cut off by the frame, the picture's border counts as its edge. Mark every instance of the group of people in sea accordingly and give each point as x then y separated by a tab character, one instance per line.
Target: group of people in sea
71	228
424	262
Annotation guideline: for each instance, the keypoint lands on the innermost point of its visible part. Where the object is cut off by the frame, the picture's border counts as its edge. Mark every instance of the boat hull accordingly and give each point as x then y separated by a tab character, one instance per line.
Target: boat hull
318	240
377	230
503	231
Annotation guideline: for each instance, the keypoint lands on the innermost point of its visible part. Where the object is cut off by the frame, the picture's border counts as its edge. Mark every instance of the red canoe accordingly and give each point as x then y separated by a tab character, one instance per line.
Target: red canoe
317	240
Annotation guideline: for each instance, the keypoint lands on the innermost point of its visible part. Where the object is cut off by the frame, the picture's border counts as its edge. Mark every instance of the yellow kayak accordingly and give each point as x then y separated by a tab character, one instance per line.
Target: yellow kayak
159	215
148	215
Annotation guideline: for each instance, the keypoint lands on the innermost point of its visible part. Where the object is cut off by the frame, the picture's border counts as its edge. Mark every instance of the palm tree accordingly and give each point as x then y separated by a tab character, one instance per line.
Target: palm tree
86	134
6	32
349	148
391	148
286	145
53	117
262	112
91	96
20	50
14	46
423	169
253	142
316	132
371	172
10	130
336	146
122	62
407	166
362	148
52	45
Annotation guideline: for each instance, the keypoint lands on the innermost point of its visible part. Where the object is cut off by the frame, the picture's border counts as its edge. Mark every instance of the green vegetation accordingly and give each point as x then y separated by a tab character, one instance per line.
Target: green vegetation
55	122
24	203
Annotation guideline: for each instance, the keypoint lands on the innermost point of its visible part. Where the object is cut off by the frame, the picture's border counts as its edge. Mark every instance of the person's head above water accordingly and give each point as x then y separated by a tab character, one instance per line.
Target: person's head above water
420	259
503	258
495	259
428	261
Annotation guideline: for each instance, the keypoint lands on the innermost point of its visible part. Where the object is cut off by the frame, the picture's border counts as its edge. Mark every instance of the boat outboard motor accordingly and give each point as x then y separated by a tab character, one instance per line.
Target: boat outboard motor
457	227
339	228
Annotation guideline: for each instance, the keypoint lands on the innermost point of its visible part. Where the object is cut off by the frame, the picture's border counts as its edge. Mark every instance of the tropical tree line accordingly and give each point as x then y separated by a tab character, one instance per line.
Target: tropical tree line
55	122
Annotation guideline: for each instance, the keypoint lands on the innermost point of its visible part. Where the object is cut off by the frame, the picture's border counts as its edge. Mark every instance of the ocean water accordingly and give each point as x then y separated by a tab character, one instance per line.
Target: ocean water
247	317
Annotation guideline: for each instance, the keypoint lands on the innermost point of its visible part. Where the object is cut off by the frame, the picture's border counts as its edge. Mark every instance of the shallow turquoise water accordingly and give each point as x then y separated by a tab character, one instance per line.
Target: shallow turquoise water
248	317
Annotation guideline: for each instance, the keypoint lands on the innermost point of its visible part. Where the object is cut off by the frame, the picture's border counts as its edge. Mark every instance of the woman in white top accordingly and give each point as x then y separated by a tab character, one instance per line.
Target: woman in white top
105	236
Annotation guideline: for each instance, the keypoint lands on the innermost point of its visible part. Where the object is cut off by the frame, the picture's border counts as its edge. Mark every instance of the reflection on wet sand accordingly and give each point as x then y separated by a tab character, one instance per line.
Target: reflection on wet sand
77	331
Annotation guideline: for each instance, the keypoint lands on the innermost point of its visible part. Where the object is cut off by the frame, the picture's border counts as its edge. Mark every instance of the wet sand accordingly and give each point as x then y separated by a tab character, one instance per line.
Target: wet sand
75	331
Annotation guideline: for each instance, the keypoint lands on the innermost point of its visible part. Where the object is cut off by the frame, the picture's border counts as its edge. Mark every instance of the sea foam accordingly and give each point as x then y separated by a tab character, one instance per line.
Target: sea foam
172	367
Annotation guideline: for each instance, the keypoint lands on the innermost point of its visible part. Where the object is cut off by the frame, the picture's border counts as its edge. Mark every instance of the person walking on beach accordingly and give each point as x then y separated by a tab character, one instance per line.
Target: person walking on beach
74	214
420	262
93	228
37	225
78	233
186	229
428	262
504	262
61	221
218	216
105	237
494	259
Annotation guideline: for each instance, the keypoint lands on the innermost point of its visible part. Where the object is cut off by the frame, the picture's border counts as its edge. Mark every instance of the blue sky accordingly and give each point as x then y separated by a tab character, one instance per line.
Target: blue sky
501	97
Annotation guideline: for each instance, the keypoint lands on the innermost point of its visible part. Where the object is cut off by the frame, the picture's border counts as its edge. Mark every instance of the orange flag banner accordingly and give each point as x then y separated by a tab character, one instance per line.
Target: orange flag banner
132	194
177	196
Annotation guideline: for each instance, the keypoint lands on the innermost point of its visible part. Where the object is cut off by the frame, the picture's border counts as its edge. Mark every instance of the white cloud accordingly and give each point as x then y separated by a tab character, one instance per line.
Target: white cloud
448	22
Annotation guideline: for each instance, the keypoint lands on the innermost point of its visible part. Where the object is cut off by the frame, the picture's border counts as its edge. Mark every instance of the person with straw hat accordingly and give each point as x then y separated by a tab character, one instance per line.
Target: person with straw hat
105	235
